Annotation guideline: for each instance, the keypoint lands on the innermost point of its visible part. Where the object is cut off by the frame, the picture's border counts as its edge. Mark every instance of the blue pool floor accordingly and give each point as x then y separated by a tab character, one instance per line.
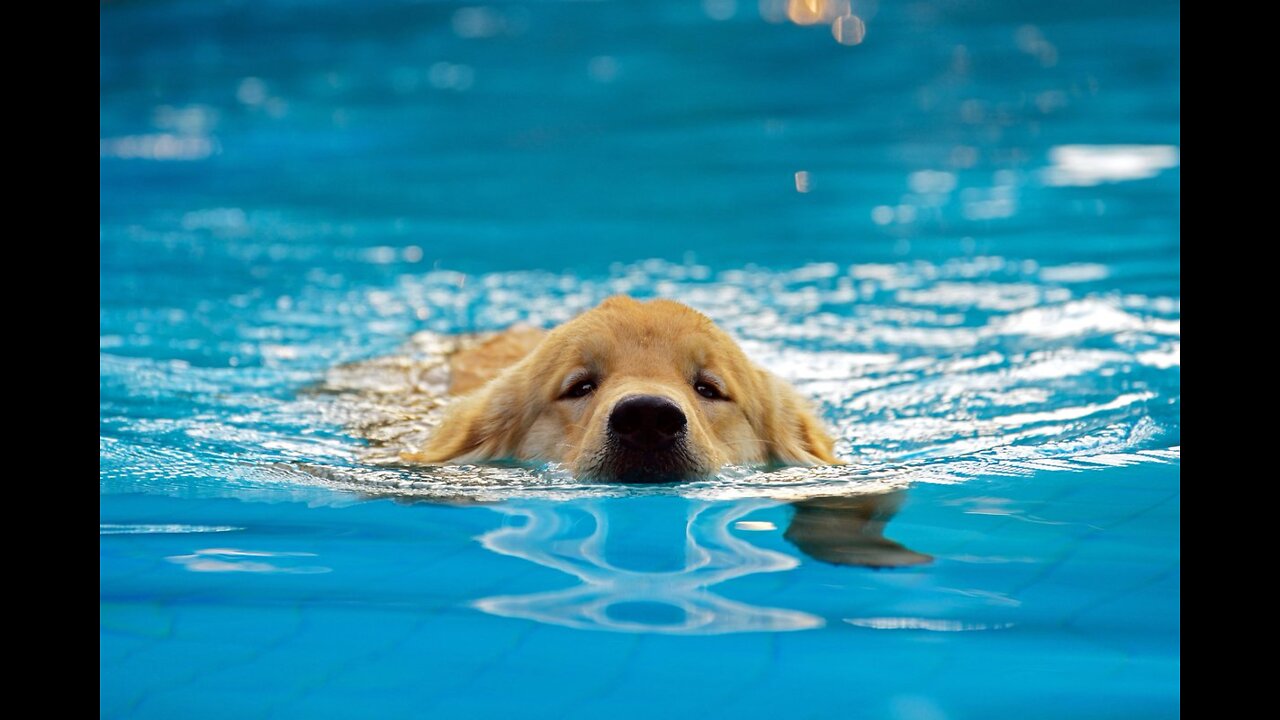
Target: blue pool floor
1054	595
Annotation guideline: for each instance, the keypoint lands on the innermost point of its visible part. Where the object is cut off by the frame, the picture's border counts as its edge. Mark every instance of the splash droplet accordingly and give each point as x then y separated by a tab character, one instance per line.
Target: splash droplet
849	30
802	181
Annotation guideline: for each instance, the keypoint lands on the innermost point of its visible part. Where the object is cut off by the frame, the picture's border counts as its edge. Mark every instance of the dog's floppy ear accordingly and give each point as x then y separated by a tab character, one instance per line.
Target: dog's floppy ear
486	425
789	427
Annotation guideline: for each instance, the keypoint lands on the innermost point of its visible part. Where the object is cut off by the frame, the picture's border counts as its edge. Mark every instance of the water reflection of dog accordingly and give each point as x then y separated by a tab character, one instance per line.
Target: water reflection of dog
849	530
611	597
845	531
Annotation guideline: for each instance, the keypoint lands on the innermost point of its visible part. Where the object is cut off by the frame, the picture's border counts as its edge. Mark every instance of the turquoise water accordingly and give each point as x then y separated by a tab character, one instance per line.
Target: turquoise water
960	237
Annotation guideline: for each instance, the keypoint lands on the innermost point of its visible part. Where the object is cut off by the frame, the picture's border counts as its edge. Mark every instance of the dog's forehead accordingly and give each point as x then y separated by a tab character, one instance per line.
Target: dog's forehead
645	336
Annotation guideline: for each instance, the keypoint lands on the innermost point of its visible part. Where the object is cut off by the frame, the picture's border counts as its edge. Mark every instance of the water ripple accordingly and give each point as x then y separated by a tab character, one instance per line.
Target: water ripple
933	372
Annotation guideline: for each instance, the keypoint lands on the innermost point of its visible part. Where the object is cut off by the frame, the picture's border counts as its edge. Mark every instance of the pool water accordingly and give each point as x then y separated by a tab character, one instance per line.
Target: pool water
960	237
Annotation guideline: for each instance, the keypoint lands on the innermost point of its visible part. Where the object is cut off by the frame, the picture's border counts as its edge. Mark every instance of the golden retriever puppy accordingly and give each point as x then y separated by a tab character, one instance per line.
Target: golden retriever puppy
629	391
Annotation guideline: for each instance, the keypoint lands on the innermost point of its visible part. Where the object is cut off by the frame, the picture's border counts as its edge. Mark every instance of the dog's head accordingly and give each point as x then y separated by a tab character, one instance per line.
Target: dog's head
639	392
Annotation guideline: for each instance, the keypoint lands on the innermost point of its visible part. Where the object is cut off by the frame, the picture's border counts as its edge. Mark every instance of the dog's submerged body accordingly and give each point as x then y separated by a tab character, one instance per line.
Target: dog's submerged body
629	391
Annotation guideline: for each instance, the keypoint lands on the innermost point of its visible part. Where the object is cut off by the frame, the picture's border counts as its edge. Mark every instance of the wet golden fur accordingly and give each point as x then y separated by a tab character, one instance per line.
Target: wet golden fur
658	348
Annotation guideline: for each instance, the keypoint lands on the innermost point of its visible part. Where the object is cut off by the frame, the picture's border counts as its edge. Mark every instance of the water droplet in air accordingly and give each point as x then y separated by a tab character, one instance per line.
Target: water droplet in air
848	30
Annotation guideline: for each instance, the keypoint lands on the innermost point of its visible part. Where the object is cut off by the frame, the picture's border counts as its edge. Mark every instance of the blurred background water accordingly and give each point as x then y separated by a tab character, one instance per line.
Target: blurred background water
954	224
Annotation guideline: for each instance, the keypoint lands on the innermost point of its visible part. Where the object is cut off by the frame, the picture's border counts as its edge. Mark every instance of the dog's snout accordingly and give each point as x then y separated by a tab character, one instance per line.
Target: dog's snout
647	422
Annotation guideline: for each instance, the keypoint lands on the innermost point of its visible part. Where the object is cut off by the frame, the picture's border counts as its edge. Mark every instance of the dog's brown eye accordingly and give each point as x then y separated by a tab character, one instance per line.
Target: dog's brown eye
708	391
580	389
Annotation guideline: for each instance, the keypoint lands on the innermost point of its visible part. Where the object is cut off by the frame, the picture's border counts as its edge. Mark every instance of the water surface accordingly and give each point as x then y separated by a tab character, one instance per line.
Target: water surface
959	237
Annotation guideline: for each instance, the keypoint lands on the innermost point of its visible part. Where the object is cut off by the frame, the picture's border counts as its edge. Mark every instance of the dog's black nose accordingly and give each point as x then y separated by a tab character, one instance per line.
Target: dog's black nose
647	422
